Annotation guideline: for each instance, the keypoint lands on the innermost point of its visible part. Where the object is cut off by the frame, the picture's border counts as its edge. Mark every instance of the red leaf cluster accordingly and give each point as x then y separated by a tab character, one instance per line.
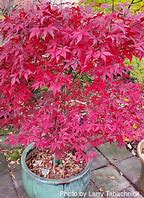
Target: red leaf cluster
63	81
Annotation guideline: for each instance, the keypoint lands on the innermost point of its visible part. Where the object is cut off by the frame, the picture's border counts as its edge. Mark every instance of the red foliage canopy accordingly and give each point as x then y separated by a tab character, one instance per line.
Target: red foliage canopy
63	81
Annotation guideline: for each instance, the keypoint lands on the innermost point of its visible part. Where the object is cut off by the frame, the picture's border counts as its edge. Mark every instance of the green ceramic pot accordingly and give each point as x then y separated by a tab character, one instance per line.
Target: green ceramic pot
141	155
38	187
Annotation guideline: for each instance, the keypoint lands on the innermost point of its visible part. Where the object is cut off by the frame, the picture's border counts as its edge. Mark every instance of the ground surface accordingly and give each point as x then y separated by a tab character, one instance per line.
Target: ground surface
115	170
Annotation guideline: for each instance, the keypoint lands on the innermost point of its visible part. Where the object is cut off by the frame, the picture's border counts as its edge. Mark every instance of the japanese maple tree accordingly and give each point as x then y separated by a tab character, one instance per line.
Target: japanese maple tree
63	80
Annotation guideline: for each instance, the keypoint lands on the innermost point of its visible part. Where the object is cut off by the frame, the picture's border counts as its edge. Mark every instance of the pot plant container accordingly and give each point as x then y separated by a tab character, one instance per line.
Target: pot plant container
38	187
141	156
64	86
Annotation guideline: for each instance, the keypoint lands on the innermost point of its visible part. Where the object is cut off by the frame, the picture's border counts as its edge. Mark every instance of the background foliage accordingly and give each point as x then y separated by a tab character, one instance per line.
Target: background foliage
138	69
134	5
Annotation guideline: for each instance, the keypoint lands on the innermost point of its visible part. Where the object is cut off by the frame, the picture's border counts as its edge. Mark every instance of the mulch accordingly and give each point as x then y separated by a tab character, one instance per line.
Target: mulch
45	165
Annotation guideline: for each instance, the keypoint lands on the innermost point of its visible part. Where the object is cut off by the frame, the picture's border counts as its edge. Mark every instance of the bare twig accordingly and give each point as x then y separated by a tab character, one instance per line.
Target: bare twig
132	3
113	5
137	2
10	5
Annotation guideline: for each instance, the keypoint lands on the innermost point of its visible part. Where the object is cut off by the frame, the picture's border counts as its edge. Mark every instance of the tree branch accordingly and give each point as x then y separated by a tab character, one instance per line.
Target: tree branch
137	2
113	6
132	2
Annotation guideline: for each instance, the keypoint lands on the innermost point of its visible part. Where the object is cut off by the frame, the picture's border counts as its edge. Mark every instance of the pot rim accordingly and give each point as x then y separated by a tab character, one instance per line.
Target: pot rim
51	181
139	150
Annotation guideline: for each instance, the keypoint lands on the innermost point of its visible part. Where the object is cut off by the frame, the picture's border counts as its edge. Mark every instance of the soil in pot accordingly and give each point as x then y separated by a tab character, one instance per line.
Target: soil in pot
42	164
